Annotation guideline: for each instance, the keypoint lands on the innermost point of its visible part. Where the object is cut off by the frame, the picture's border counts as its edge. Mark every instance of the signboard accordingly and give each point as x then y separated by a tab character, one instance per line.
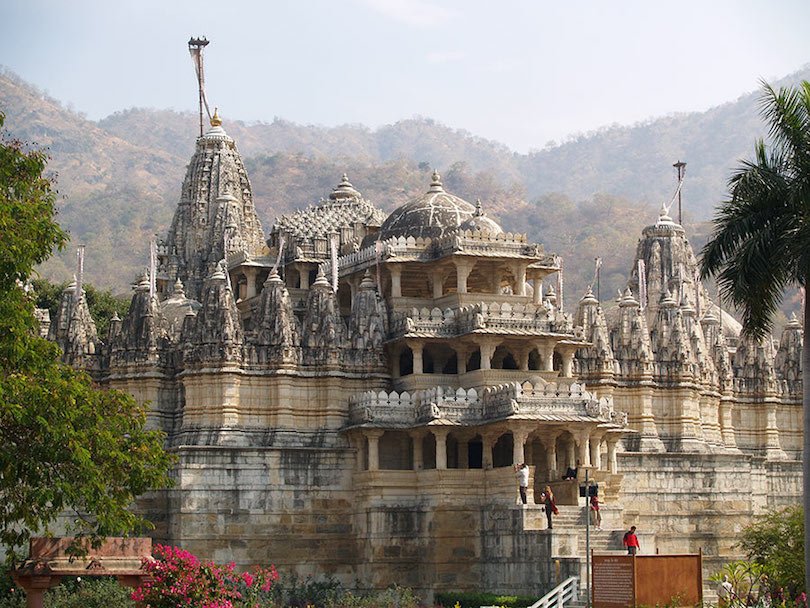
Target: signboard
613	581
619	581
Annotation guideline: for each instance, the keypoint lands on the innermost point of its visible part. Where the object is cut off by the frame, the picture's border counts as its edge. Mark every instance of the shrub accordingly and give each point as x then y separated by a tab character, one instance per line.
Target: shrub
393	597
291	591
475	600
179	578
89	593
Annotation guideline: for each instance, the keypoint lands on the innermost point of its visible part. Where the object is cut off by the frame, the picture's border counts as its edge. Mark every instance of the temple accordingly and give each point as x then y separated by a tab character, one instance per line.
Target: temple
347	395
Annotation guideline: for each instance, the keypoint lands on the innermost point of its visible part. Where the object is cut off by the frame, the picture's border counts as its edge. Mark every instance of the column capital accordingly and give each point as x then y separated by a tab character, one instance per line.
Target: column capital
439	431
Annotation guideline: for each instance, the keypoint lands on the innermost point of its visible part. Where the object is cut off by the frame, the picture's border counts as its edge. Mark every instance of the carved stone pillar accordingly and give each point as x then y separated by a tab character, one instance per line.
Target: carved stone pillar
537	291
250	275
416	347
463	270
520	279
373	436
441	447
583	444
595	442
546	352
396	280
613	465
303	273
437	279
487	440
418	459
550	441
571	452
567	354
496	278
523	358
487	347
519	437
461	359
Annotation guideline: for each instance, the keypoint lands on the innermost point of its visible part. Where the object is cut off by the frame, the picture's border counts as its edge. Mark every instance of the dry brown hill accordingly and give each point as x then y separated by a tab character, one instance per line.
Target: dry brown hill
120	177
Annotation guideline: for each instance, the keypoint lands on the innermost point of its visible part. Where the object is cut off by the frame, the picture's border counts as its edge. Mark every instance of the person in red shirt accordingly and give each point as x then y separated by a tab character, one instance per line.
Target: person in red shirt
631	541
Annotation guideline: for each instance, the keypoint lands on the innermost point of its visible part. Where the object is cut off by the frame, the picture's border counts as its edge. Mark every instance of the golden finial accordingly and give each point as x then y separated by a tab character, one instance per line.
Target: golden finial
216	121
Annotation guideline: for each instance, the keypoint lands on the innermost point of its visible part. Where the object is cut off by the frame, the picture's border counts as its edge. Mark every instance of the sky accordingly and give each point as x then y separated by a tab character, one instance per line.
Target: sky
524	73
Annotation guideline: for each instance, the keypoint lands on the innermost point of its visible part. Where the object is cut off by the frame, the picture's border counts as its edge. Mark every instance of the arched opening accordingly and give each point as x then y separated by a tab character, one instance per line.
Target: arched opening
429	451
557	361
405	362
452	452
395	451
427	362
474	362
502	451
475	453
503	359
535	362
439	359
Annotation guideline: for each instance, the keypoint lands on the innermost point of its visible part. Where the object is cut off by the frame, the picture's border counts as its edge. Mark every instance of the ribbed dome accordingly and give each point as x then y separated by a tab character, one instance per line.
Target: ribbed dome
479	221
433	214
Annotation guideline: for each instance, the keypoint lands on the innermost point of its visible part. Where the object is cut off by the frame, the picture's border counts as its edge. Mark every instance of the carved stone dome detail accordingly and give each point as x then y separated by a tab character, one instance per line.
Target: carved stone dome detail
432	215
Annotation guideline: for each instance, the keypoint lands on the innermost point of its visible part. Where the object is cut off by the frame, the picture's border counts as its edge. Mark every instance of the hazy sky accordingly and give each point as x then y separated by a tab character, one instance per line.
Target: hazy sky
519	72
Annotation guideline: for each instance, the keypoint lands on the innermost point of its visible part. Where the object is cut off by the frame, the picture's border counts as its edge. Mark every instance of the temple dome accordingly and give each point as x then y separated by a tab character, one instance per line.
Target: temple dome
480	221
433	214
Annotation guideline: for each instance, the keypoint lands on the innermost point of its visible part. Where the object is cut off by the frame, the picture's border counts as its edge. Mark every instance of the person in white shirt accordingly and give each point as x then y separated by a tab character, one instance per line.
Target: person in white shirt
522	472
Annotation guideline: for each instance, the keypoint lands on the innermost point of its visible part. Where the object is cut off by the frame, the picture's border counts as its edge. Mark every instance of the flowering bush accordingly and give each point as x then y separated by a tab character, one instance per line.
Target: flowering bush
180	579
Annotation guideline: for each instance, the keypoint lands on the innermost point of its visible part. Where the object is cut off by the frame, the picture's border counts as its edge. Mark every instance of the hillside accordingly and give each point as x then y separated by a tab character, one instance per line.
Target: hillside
120	177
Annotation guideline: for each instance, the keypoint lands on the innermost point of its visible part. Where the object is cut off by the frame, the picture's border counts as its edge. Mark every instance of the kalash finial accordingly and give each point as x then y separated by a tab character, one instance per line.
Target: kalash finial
216	121
436	182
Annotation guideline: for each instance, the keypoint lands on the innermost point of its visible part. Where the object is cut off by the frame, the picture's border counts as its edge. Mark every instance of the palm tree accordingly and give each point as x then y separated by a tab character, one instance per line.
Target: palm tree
761	239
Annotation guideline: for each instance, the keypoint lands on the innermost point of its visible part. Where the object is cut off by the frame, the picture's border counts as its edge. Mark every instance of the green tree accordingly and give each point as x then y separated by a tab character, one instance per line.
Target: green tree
775	541
761	241
69	448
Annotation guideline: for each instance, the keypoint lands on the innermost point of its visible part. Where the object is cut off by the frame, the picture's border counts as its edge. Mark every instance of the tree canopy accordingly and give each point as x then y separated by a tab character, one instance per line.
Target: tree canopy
761	240
70	449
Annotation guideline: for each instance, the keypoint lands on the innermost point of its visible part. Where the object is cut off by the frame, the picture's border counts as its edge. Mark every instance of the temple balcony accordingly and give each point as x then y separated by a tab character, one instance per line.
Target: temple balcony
500	318
545	401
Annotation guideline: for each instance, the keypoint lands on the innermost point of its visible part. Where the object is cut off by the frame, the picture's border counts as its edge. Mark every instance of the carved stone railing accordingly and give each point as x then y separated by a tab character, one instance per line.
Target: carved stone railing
523	319
404	248
540	398
409	409
462	406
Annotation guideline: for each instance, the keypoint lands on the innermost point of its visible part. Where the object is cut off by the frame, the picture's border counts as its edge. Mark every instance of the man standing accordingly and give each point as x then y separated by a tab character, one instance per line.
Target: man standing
522	472
631	541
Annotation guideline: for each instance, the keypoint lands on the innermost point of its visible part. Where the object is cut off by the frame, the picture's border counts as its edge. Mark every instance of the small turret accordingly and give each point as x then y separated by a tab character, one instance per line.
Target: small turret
277	336
142	329
788	364
367	325
215	335
73	328
596	362
323	333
